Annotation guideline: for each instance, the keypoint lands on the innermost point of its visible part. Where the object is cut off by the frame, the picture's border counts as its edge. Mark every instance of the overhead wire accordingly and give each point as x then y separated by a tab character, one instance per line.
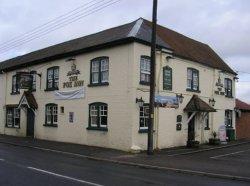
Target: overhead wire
62	24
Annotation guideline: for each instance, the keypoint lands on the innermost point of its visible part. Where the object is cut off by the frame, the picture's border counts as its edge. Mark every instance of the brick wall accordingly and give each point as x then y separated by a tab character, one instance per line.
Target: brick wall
243	126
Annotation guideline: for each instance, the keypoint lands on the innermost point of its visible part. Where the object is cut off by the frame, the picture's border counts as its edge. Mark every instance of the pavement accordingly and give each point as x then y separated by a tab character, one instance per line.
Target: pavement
229	162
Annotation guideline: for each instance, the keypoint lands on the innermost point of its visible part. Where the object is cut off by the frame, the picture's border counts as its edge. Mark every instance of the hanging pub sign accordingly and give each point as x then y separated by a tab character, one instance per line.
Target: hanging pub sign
73	78
24	79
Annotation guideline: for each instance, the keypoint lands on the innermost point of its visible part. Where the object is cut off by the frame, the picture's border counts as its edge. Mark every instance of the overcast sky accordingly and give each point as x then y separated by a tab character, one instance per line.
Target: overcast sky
223	24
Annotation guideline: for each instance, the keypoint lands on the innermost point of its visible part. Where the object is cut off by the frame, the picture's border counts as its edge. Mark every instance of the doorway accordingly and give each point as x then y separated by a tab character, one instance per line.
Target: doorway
30	122
191	128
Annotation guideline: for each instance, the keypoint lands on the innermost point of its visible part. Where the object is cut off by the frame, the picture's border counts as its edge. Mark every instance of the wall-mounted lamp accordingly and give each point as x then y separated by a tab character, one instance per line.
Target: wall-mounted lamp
180	97
140	101
212	102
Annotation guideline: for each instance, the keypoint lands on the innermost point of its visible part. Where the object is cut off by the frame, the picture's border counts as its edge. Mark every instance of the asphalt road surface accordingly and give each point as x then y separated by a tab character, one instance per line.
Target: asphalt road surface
23	166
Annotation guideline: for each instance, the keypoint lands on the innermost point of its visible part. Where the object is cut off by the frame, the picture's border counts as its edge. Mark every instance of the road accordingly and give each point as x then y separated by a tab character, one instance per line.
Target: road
23	166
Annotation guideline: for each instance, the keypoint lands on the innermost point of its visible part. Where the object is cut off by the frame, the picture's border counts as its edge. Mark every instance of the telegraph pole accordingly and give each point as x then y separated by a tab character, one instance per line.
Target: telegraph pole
152	82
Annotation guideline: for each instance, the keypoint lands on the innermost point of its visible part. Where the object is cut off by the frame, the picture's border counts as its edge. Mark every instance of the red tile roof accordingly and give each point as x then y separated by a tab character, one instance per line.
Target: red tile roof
242	105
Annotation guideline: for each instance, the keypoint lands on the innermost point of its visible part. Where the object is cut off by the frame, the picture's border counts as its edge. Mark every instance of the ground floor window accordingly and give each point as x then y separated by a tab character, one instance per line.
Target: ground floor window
98	115
12	117
144	117
51	114
229	118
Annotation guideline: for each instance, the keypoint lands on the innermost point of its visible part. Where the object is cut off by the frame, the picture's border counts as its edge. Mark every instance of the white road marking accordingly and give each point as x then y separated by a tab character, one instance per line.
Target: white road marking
2	159
229	154
66	177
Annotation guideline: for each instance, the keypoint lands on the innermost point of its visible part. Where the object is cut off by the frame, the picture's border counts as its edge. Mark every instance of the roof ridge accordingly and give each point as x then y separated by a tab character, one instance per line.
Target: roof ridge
135	29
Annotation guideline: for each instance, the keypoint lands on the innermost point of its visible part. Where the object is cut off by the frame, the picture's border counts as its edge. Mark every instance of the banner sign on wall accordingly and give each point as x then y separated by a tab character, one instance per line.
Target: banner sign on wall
69	95
166	101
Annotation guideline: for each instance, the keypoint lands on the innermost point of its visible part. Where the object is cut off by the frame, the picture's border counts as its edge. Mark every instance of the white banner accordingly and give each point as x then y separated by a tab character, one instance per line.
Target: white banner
71	94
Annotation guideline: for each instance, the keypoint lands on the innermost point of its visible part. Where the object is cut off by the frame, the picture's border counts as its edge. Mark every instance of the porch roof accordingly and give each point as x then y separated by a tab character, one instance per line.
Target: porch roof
198	105
31	101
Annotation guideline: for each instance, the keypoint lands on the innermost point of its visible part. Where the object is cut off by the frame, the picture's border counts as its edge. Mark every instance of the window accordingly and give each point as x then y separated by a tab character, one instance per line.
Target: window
71	117
167	78
15	85
192	79
12	117
144	117
51	115
52	78
228	87
99	71
206	119
145	70
98	116
229	118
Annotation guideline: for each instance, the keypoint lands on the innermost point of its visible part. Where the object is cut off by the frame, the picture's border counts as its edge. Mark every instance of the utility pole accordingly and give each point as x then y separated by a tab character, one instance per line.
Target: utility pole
150	150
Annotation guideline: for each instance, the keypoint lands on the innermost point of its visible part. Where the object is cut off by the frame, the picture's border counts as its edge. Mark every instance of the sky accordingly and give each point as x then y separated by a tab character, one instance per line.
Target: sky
223	24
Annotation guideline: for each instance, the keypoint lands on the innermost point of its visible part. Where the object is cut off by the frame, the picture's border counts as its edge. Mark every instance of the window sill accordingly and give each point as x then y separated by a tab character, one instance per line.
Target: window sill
12	127
49	125
145	83
191	90
50	89
97	128
229	96
14	93
206	128
98	84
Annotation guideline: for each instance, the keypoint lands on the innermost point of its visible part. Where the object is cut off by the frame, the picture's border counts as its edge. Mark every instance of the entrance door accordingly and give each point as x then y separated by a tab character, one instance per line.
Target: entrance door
30	122
191	128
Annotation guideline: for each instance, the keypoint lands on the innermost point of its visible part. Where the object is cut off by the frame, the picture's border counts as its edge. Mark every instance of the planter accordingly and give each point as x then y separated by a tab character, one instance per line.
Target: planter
214	141
193	144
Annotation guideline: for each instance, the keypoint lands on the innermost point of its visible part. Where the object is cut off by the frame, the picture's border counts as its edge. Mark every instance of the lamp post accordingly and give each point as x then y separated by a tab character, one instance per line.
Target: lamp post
150	148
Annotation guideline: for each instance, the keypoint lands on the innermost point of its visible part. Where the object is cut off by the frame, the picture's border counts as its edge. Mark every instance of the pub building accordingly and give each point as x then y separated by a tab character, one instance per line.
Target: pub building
94	90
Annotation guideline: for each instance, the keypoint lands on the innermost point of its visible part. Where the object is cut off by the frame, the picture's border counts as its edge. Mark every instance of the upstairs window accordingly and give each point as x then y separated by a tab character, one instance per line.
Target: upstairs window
15	85
99	71
98	116
167	78
53	78
145	70
229	118
192	80
12	117
228	87
51	114
144	117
